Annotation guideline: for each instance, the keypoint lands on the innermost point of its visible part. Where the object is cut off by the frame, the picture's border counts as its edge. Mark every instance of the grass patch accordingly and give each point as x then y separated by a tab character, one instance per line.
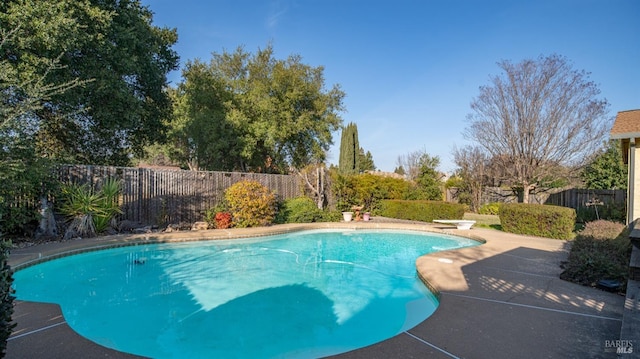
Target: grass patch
600	251
484	220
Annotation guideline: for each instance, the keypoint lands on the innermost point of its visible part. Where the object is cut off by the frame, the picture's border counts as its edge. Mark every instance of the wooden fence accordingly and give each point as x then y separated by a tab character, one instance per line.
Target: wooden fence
162	196
578	198
575	198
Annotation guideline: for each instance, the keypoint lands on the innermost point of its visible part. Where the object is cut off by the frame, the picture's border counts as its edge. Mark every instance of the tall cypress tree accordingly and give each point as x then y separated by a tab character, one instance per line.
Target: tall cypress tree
349	150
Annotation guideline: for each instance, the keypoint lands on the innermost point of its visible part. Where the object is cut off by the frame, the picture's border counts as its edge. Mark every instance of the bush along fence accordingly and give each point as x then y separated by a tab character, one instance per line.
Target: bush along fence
164	196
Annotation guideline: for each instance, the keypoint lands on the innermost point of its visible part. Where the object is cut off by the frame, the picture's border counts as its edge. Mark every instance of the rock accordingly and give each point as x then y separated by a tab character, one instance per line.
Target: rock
146	229
128	226
174	227
200	226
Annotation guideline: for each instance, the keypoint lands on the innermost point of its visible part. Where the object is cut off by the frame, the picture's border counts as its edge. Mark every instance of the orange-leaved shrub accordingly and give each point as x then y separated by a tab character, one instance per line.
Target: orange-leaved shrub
251	204
223	220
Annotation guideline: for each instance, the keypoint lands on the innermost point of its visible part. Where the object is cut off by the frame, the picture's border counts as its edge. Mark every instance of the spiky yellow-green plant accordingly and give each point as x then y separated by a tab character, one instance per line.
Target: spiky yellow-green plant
90	211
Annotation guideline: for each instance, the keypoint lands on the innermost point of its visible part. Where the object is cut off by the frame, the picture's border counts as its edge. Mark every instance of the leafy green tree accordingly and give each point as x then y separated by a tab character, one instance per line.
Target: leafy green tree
253	112
24	175
120	56
429	180
349	161
606	170
200	135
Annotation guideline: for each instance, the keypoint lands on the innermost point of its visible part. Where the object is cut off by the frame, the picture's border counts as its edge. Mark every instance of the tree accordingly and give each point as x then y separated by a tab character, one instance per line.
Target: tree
472	164
366	160
315	177
123	61
253	112
429	180
538	116
200	135
410	163
24	175
349	162
606	170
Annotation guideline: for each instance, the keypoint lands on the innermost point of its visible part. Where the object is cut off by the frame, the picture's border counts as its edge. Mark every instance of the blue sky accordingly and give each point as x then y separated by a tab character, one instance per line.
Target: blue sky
410	68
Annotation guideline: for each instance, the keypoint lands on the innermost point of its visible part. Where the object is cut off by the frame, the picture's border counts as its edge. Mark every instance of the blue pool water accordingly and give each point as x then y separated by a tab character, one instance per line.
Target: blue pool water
299	295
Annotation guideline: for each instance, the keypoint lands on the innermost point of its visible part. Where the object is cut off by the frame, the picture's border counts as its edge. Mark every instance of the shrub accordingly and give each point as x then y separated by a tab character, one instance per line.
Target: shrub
332	216
250	204
601	250
602	230
211	213
608	211
368	190
6	293
304	210
425	211
300	210
222	220
538	220
24	179
490	208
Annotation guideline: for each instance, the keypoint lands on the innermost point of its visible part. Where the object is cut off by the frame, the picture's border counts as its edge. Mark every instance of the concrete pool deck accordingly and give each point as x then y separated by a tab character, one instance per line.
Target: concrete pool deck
502	299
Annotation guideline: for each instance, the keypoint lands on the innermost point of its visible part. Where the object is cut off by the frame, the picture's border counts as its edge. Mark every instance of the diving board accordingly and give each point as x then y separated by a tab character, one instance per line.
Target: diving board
459	223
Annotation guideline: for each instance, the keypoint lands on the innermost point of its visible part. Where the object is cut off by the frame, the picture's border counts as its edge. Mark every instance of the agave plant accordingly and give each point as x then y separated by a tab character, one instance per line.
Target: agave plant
109	204
90	211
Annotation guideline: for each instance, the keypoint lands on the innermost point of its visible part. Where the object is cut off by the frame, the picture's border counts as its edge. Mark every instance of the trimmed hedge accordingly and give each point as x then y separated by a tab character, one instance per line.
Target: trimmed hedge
538	220
425	211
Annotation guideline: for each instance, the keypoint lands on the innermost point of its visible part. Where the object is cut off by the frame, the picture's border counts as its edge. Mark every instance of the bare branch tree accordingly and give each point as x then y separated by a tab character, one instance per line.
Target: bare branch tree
410	162
472	164
536	116
315	181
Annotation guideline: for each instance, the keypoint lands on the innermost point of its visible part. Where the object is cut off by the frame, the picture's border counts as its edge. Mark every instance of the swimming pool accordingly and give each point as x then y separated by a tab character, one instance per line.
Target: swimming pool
304	294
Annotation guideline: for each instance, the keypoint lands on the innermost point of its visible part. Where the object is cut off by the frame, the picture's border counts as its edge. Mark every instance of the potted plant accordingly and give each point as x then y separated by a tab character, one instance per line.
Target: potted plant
366	216
347	216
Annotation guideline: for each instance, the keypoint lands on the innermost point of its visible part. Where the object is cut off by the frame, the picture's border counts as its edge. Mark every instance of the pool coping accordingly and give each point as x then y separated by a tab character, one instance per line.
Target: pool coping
446	273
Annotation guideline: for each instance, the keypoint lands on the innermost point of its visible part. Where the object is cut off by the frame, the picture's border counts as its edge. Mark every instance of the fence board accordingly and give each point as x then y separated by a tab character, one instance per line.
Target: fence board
162	196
